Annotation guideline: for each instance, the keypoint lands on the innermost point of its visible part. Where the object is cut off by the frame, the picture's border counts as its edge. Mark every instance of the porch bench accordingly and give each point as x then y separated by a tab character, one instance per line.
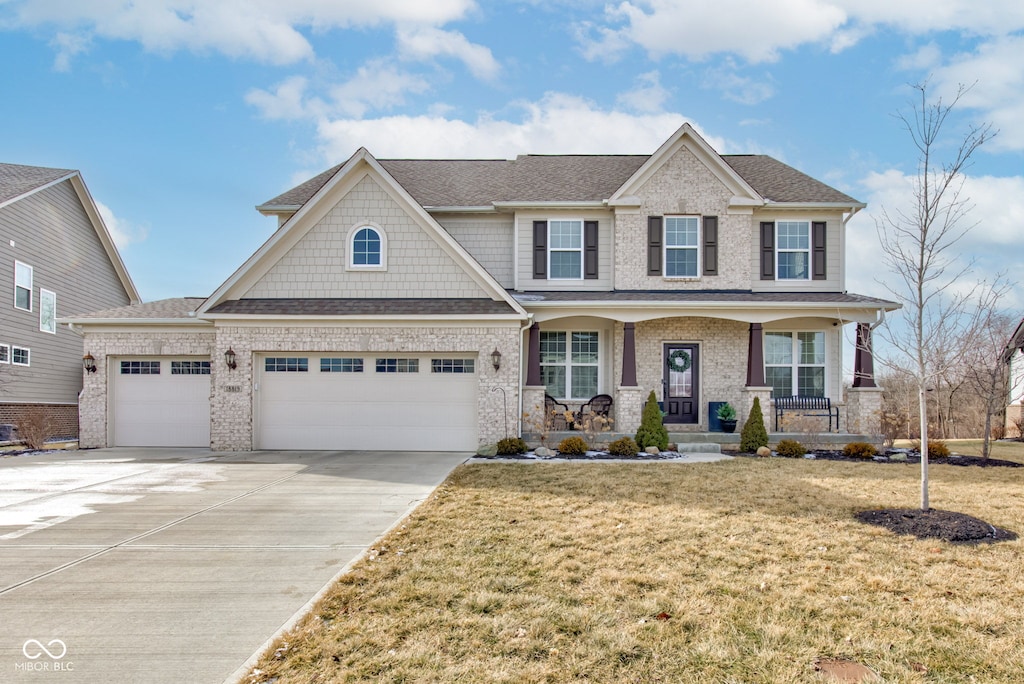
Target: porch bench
807	406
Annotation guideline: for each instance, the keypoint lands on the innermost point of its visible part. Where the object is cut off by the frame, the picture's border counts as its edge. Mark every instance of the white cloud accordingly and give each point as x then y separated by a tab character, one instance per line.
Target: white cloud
426	42
67	45
558	123
263	30
647	96
286	102
121	232
743	89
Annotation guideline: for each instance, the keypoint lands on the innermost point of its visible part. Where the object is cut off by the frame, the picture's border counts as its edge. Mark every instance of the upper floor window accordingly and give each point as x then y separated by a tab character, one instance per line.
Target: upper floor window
569	363
682	246
366	247
22	286
565	249
793	250
794	363
47	311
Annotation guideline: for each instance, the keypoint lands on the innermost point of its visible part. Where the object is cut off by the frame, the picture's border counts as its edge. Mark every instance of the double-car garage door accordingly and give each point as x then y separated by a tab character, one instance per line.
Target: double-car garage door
343	401
411	402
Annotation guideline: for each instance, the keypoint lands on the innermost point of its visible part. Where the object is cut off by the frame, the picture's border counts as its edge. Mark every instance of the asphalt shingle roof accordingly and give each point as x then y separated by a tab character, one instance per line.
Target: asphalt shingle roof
178	307
16	180
701	296
557	178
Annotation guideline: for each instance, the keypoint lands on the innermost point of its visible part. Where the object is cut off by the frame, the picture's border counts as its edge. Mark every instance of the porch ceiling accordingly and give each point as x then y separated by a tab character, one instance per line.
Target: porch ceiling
746	306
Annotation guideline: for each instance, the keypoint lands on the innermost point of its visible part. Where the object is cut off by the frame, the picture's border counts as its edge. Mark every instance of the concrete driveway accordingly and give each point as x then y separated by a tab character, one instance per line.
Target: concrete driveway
177	565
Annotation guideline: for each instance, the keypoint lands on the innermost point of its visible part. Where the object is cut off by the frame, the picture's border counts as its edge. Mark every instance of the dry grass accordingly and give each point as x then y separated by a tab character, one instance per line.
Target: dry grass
740	571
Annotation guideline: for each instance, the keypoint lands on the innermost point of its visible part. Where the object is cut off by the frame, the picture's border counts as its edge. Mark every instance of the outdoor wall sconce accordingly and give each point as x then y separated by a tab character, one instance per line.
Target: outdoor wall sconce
496	360
89	363
229	358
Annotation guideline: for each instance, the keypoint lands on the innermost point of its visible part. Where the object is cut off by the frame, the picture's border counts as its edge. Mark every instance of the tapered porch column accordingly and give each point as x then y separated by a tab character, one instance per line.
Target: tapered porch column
533	357
629	355
755	356
863	358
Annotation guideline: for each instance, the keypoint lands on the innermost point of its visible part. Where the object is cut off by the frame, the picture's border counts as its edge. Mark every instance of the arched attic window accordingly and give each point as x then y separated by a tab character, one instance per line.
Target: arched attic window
367	248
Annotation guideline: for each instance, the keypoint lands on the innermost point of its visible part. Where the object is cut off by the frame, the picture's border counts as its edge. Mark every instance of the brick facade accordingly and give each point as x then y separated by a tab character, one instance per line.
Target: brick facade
61	420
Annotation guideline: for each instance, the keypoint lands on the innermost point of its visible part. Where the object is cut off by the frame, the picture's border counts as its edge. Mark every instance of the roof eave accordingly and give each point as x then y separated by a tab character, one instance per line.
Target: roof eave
575	204
852	206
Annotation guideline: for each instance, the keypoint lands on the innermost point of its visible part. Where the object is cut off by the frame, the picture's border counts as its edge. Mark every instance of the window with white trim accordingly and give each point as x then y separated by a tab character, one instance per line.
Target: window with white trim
682	246
398	365
140	368
47	311
366	248
341	365
569	363
565	250
793	250
794	363
20	356
452	365
22	286
286	364
5	353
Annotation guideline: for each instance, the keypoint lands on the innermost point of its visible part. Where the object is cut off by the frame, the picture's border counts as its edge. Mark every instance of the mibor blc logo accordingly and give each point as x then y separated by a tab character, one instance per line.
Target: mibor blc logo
48	657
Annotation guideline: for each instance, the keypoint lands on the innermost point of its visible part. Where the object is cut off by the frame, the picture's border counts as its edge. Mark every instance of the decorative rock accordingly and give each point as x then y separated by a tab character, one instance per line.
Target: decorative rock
543	452
653	450
764	451
672	446
900	456
488	450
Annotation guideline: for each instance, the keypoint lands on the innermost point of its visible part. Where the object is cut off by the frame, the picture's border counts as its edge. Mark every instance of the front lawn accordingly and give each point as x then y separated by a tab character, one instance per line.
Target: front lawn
749	570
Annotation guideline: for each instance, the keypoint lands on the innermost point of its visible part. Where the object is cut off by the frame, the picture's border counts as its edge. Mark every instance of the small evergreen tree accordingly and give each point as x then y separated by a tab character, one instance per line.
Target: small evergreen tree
753	435
652	431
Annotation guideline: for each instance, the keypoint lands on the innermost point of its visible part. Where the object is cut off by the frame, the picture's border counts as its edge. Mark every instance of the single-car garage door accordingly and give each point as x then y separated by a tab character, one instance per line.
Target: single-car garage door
161	401
410	402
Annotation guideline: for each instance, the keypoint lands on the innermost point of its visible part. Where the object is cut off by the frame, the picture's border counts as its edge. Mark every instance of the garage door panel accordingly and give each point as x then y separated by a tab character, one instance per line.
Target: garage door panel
377	411
157	407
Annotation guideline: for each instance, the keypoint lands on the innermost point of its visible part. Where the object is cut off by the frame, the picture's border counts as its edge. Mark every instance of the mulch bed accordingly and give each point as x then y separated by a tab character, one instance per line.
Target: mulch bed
914	457
957	528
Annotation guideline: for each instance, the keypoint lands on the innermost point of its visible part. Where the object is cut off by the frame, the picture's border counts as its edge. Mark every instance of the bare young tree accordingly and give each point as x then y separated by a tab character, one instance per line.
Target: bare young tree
918	246
985	368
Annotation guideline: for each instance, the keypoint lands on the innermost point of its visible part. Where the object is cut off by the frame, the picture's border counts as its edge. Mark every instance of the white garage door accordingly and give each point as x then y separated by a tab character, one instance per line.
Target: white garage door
409	402
161	402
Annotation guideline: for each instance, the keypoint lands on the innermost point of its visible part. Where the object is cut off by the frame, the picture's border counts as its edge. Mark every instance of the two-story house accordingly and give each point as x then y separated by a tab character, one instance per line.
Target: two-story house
1013	356
56	259
431	304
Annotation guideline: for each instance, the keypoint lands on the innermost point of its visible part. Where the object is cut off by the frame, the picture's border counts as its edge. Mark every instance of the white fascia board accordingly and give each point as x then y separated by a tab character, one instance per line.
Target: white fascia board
38	188
395	321
483	209
841	206
92	211
588	204
271	209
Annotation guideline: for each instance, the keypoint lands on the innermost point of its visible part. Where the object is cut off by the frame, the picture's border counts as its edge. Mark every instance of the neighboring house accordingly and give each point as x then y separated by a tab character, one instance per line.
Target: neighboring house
56	259
1013	355
427	304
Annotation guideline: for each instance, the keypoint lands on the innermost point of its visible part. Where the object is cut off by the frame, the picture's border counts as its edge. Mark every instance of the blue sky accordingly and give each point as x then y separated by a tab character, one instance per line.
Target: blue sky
182	115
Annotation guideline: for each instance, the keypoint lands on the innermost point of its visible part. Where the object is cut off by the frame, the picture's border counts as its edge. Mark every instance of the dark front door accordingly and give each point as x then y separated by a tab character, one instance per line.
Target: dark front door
681	382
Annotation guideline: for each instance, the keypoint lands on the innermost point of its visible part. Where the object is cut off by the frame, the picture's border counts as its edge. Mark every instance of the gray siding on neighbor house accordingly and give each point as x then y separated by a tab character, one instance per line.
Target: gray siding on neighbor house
51	232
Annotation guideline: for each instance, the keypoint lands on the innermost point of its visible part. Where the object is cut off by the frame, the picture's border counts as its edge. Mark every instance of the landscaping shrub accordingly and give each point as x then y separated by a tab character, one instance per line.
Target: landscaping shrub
859	450
35	427
574	446
790	448
512	445
754	434
624	446
652	431
937	449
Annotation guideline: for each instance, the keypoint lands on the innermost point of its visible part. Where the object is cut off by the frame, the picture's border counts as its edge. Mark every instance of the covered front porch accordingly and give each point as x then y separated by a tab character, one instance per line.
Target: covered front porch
693	360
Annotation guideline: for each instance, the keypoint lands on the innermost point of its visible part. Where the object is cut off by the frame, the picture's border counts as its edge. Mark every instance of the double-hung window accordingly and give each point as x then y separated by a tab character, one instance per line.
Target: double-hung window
569	363
793	250
794	363
682	242
22	286
565	250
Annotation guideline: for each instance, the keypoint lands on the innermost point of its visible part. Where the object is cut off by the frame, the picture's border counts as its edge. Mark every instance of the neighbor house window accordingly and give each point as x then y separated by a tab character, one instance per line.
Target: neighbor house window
190	367
341	365
22	286
286	364
793	250
569	363
20	356
682	241
398	365
5	353
47	311
794	363
565	250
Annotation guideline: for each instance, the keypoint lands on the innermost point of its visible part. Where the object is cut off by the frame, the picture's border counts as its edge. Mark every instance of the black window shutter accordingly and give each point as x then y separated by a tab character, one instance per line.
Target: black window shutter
540	250
653	245
710	245
590	249
819	238
767	250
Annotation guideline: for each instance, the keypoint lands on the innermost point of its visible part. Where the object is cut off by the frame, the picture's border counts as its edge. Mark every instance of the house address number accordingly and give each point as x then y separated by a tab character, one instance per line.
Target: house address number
232	388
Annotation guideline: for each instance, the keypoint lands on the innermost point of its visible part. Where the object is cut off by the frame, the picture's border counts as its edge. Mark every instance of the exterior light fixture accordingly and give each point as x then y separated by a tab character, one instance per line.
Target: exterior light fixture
496	359
229	359
89	363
